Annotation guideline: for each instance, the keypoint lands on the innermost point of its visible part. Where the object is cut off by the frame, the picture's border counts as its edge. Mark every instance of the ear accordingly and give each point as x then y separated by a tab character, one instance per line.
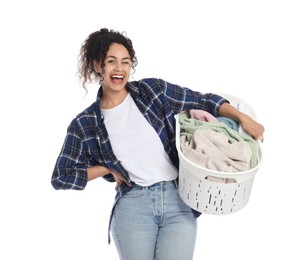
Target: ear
96	66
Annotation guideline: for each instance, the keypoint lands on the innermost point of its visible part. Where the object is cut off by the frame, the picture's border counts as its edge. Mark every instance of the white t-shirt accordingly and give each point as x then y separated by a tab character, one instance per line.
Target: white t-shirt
137	145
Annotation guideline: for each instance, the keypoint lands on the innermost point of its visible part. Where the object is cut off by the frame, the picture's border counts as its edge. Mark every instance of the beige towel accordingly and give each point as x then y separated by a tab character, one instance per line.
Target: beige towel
212	150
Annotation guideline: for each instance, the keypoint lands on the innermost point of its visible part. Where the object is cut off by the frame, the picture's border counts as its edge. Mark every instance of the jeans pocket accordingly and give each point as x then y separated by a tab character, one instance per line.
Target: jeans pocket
134	193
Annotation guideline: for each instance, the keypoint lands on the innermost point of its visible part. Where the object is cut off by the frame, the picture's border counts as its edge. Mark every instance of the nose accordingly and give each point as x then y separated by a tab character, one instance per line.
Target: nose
118	66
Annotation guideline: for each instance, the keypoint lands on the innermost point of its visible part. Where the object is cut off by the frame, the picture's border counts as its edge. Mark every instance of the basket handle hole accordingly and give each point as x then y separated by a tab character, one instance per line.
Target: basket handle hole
220	179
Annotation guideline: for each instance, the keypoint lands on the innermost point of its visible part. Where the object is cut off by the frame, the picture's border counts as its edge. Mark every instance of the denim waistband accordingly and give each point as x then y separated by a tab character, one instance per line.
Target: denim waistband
158	184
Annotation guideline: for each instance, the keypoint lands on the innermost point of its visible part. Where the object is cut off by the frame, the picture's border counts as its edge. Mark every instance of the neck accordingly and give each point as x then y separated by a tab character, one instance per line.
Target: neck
113	99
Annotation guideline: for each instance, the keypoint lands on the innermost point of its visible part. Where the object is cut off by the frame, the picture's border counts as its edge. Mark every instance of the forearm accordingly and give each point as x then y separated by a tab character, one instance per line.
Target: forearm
227	110
249	125
100	171
96	171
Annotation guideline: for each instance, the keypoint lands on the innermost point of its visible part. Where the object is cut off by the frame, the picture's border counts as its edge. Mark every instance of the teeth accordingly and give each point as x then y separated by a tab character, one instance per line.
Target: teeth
119	77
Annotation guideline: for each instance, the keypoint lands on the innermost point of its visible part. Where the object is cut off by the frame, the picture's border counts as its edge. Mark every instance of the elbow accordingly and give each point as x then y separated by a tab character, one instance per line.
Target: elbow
69	179
68	182
56	184
57	180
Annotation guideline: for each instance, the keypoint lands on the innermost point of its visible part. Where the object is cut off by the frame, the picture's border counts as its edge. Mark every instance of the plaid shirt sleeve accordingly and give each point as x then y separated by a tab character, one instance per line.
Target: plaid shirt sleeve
182	98
70	168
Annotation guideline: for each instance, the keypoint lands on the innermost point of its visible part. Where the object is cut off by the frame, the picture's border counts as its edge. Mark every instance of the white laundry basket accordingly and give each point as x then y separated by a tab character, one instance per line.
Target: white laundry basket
208	196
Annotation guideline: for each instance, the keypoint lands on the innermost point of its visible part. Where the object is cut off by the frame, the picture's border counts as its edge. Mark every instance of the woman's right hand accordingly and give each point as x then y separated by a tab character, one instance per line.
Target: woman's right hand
119	179
100	171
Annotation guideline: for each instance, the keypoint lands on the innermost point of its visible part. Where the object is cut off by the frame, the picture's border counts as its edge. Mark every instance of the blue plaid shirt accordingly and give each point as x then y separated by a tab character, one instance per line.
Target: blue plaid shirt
87	143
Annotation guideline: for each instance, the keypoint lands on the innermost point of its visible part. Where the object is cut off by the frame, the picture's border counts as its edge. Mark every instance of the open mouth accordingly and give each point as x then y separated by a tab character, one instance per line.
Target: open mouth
117	78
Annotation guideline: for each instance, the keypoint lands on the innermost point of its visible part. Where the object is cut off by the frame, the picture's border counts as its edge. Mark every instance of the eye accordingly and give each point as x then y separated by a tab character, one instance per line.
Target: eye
126	62
111	61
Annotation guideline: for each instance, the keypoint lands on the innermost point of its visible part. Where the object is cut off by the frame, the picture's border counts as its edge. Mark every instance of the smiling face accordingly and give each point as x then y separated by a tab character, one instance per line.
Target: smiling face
116	71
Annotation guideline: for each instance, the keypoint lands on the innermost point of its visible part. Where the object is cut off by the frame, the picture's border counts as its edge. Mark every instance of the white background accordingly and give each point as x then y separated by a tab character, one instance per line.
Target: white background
251	49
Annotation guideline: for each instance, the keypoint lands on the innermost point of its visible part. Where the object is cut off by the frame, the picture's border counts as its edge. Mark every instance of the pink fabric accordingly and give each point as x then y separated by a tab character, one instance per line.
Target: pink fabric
202	115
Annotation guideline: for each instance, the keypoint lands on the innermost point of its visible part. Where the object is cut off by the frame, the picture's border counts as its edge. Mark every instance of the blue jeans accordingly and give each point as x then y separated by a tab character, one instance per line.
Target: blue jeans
154	223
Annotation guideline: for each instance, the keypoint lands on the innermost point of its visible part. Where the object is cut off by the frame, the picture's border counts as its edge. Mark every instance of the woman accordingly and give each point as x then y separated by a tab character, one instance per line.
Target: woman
128	136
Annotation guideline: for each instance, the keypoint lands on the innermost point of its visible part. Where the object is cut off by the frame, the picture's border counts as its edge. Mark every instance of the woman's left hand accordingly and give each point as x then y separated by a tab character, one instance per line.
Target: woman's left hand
253	128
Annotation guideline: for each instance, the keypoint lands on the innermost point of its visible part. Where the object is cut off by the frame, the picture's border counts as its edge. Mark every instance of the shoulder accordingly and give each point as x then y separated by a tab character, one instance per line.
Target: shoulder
147	81
148	84
86	118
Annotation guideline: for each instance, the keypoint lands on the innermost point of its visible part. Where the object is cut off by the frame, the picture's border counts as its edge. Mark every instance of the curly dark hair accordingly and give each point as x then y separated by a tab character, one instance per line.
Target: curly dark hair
95	48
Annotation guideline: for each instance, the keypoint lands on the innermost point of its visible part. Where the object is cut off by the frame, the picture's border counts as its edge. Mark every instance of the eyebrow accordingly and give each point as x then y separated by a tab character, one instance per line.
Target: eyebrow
111	56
